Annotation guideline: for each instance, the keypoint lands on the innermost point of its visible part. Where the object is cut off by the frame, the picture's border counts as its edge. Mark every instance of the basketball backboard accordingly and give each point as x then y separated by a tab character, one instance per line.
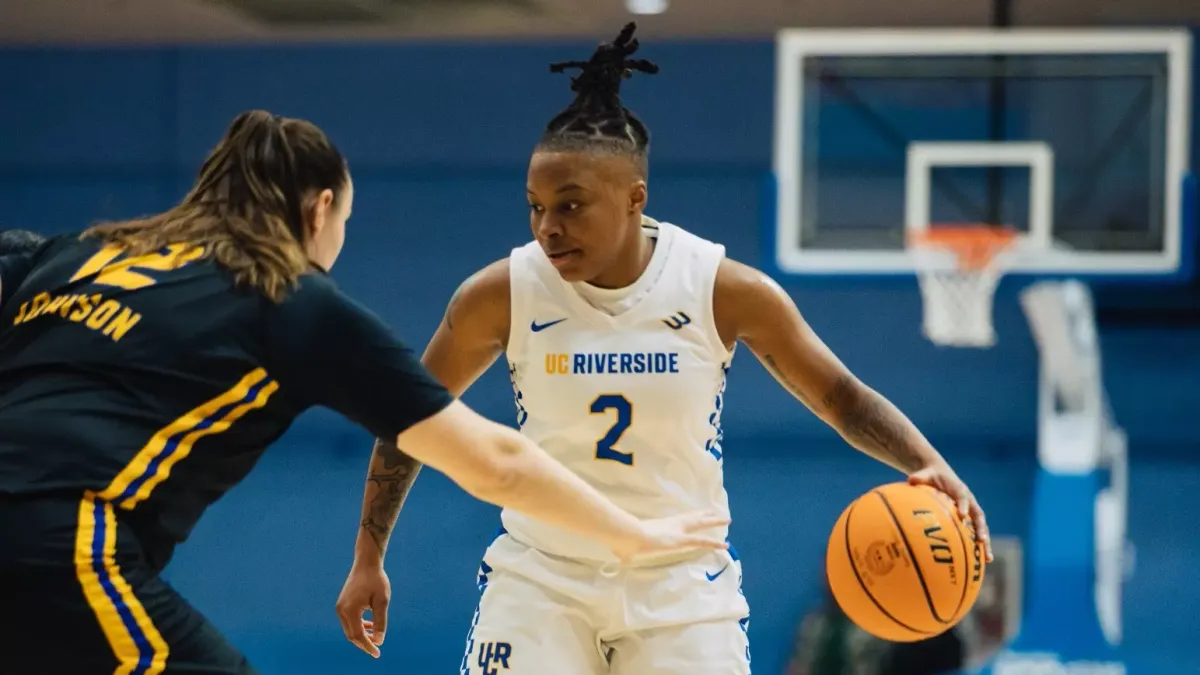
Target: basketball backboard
1078	139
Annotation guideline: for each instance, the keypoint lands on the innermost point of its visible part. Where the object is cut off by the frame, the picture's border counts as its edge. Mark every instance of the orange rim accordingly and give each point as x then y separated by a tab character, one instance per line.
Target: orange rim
975	246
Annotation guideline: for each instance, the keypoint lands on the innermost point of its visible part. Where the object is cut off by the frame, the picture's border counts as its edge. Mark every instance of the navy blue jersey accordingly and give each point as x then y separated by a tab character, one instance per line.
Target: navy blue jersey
156	384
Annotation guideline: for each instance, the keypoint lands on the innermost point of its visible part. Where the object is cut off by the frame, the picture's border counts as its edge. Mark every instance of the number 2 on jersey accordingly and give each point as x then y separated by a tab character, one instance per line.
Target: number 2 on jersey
605	447
129	273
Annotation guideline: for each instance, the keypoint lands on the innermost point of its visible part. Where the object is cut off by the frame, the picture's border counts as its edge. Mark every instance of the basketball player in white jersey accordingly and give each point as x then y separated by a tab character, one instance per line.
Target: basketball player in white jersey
618	331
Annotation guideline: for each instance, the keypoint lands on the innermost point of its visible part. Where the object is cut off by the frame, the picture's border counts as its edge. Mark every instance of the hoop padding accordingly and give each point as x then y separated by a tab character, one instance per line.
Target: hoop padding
958	268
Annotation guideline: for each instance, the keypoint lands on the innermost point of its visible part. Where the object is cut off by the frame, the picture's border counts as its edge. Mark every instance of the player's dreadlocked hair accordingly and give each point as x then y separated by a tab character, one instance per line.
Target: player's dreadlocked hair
596	121
246	209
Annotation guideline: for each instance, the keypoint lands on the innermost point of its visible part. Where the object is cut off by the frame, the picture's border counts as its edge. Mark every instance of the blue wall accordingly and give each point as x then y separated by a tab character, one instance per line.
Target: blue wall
438	137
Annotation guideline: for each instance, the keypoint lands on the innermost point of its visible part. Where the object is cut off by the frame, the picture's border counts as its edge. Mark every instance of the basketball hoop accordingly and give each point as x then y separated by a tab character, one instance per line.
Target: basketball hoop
958	267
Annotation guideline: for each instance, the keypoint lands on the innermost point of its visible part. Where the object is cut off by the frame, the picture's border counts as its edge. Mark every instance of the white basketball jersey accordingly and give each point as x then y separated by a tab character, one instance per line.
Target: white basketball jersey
630	402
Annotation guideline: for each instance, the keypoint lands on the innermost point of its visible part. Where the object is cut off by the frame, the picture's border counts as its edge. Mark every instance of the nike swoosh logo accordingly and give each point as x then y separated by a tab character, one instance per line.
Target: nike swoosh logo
539	327
713	577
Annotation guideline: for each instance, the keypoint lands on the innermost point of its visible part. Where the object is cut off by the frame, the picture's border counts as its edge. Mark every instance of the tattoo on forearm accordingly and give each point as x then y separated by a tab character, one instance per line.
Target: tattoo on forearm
773	367
873	425
864	418
391	477
842	393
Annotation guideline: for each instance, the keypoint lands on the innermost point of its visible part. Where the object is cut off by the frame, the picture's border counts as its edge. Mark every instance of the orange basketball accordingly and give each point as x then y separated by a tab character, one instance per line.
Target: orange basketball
902	564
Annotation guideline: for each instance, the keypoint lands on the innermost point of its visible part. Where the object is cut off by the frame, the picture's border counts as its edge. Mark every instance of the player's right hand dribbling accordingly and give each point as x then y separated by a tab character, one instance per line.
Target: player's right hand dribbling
685	531
366	588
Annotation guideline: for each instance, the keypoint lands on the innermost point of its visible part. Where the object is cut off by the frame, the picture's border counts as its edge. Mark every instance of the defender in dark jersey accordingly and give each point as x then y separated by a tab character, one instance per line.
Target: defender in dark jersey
146	365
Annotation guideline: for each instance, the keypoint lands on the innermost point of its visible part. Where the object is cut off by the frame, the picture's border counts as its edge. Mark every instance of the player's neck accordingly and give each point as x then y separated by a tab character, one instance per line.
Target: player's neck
630	265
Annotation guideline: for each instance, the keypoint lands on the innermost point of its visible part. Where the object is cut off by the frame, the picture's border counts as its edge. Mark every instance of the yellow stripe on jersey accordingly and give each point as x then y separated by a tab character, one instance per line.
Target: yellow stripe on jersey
152	464
137	644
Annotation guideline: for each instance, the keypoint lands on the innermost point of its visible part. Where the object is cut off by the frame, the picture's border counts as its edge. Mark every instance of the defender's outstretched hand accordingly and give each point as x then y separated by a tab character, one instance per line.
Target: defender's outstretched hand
676	533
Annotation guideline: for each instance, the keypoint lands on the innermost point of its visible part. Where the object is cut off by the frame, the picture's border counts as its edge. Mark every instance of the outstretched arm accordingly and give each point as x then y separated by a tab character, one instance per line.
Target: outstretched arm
752	308
471	336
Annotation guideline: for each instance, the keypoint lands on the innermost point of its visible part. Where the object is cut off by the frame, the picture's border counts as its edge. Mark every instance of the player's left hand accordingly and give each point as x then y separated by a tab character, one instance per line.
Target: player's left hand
367	588
941	477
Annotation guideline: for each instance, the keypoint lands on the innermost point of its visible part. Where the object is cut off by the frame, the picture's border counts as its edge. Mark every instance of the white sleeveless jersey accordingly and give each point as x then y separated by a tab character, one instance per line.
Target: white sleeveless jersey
632	402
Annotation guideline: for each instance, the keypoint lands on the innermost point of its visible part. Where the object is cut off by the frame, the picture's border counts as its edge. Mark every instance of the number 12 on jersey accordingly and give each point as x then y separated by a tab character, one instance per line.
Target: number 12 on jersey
112	269
606	446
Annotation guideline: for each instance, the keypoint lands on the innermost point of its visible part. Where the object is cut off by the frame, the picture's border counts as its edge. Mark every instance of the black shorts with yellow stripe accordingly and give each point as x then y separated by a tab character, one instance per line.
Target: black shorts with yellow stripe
78	595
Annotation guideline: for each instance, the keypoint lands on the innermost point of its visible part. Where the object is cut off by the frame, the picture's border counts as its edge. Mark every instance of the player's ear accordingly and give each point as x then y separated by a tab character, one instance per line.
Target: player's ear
321	212
638	195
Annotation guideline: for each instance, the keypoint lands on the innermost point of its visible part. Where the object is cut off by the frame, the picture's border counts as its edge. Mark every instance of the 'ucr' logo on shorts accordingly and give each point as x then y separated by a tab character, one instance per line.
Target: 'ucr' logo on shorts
493	656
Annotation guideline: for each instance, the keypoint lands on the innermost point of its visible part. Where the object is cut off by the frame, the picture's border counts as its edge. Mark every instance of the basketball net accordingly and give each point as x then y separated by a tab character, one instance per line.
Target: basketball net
958	292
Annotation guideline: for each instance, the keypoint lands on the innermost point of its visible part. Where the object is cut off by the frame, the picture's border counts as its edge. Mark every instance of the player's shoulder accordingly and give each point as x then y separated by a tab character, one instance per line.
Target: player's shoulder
40	246
488	285
680	234
314	316
312	287
738	277
698	254
741	290
484	300
46	257
314	298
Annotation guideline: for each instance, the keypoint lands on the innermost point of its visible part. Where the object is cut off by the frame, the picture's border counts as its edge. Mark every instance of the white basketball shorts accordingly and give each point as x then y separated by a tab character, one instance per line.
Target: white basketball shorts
544	615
